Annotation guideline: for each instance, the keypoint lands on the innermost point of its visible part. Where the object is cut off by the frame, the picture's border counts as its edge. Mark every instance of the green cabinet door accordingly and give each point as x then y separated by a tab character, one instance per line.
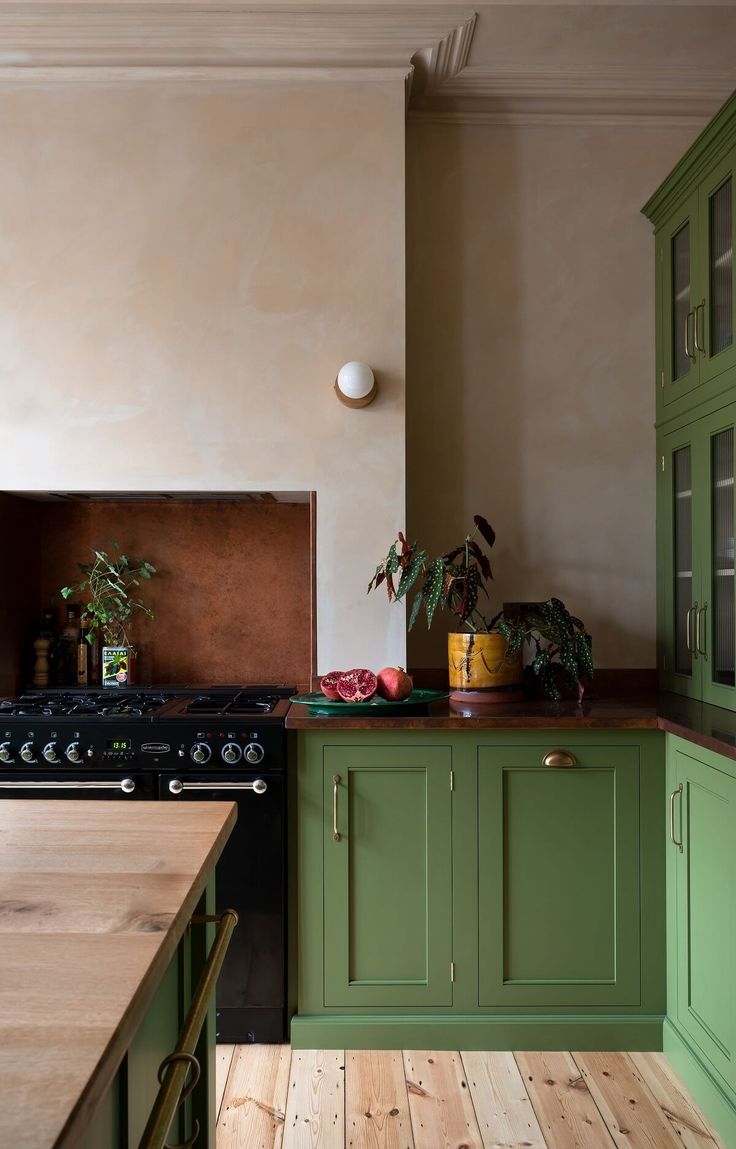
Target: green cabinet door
558	874
677	295
703	811
716	302
387	876
679	559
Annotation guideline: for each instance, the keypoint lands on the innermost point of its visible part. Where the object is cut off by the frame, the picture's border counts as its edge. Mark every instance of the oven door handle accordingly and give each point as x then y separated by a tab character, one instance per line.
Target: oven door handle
127	785
258	787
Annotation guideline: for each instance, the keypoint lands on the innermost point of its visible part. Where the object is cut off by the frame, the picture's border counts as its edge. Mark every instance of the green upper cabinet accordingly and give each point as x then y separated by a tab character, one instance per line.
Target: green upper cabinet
701	928
694	213
387	876
544	832
696	531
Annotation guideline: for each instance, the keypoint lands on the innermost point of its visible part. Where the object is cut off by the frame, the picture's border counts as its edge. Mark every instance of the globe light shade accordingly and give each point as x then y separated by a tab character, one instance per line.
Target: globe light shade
355	384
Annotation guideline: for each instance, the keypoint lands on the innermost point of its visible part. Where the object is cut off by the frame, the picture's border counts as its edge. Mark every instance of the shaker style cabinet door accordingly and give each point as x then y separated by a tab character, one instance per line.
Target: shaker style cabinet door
703	839
387	876
714	303
558	873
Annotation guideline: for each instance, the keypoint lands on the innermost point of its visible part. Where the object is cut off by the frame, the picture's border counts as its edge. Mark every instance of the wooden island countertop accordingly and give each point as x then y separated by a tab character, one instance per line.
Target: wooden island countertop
94	899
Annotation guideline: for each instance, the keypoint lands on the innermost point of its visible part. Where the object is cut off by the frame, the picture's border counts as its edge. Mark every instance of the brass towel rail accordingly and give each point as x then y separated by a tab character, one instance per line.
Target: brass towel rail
175	1068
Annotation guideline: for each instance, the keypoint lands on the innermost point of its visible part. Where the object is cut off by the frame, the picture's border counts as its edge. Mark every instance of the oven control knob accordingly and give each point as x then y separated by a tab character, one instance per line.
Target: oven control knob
200	752
49	752
253	753
72	752
231	753
5	755
27	752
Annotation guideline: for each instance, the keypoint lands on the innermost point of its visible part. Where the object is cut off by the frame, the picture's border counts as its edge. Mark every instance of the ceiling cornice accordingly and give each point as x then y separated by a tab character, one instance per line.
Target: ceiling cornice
231	42
552	94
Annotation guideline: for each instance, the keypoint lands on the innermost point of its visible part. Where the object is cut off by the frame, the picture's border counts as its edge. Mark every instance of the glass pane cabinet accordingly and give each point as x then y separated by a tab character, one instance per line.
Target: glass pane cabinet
695	294
697	616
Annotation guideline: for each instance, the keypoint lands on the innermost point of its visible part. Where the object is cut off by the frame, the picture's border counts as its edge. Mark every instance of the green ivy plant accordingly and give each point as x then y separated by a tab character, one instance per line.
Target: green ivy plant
108	583
454	582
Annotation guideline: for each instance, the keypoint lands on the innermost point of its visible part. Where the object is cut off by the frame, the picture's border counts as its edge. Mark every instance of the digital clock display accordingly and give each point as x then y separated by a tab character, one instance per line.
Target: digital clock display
119	744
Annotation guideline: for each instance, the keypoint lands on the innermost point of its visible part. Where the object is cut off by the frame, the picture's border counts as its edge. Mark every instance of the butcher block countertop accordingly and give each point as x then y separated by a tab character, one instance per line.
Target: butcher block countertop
94	899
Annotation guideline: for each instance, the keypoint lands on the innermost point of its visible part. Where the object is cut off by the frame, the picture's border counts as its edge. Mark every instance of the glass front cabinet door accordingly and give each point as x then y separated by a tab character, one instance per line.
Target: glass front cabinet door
696	301
698	589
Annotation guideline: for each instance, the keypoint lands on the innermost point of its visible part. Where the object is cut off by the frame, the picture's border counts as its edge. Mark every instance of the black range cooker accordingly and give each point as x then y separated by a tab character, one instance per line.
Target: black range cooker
219	743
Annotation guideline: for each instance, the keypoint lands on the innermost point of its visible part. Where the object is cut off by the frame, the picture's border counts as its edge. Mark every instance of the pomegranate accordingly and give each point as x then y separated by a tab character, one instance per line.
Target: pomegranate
357	685
394	684
328	685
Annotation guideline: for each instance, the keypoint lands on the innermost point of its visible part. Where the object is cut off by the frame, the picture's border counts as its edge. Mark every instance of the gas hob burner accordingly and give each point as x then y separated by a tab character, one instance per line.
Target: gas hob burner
83	704
242	703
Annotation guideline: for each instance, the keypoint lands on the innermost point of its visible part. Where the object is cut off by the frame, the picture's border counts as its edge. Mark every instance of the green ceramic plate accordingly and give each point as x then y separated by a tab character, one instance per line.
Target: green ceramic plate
318	704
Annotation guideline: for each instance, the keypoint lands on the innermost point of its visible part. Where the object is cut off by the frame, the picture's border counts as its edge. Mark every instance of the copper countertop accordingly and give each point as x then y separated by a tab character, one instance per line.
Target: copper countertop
707	726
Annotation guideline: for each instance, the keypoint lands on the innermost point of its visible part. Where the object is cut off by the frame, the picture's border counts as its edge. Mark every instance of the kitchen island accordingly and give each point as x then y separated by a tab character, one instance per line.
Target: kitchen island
95	901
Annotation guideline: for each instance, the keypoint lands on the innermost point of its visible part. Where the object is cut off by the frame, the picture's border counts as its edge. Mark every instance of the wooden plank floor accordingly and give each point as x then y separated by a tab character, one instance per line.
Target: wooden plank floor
272	1098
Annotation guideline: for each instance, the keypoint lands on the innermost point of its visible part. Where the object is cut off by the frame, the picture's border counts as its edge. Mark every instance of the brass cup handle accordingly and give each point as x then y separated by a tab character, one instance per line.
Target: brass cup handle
698	307
673	795
335	784
559	759
690	354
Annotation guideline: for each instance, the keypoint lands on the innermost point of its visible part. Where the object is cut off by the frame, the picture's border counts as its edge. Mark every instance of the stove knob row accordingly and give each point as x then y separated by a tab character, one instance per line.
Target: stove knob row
253	753
200	753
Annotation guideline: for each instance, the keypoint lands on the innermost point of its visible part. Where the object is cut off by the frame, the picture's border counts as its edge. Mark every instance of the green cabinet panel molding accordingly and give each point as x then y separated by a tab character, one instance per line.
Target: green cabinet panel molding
387	875
476	897
558	878
700	1034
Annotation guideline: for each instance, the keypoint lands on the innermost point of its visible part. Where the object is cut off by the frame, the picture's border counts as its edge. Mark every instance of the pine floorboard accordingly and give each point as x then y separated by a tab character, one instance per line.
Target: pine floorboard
270	1097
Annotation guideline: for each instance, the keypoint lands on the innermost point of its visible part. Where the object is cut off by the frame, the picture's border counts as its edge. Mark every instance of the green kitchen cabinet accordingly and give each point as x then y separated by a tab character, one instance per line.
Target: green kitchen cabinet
697	582
455	892
387	876
694	213
701	910
558	895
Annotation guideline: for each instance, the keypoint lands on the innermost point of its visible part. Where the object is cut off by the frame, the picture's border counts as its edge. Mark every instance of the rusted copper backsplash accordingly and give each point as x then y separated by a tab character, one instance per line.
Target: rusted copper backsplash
232	599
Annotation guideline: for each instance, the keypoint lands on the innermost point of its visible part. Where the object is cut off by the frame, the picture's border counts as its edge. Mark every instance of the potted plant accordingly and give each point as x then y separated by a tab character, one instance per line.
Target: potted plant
108	584
485	657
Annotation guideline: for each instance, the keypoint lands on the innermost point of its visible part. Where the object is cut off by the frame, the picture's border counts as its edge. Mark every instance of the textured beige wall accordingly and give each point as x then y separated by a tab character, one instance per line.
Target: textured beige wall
530	370
182	272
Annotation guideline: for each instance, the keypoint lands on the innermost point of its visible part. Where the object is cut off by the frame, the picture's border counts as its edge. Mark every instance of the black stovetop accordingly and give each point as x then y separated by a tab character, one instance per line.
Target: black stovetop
148	702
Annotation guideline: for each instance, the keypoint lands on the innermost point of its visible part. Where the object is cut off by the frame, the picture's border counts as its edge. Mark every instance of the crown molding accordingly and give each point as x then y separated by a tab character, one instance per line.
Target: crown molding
46	42
555	95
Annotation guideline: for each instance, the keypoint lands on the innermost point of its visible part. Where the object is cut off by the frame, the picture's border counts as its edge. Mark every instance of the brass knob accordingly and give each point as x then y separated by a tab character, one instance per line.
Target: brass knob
559	759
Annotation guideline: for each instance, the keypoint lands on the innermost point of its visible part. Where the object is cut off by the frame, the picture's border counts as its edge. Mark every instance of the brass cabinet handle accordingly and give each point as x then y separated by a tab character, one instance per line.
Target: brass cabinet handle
673	795
700	621
698	307
693	646
688	352
335	784
688	640
559	759
174	1069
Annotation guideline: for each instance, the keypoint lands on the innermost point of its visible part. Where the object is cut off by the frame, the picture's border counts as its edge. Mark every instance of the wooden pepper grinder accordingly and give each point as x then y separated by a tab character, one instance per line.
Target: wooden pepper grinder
41	667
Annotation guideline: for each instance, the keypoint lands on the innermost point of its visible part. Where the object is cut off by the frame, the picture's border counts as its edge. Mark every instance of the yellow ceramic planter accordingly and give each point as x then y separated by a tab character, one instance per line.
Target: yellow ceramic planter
479	665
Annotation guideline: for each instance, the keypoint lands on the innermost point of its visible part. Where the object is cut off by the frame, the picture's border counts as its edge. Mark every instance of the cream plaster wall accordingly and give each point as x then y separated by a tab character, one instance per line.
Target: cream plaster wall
530	370
182	272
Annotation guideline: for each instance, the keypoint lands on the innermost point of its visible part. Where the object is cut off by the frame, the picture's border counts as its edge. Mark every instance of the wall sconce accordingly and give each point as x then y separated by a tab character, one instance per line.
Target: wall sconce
355	385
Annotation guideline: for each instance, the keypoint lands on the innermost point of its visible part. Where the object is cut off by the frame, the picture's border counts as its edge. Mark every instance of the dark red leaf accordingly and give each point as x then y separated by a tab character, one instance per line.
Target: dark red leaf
482	559
485	529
